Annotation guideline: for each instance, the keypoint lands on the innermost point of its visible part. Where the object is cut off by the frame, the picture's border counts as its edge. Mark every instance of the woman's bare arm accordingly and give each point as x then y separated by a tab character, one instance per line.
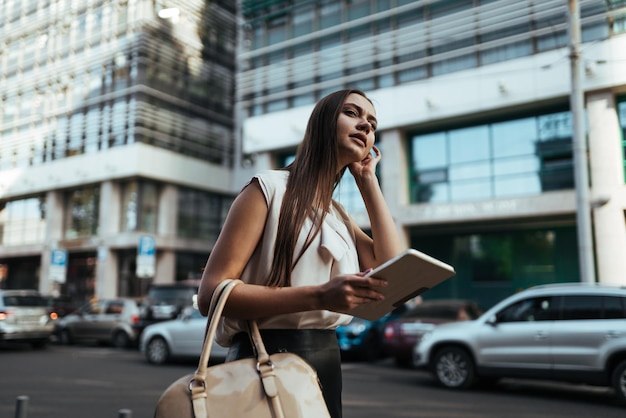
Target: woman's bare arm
385	242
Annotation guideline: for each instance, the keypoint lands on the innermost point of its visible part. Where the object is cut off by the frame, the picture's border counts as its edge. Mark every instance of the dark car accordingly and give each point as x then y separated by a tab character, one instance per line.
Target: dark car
165	302
108	321
362	339
60	306
403	332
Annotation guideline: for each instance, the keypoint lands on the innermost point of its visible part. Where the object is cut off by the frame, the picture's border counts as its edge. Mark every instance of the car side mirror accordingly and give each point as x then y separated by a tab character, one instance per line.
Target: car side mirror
492	320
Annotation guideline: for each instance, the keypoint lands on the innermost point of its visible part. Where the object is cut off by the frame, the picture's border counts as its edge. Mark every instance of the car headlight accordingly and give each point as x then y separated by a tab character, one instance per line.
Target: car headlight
426	336
359	328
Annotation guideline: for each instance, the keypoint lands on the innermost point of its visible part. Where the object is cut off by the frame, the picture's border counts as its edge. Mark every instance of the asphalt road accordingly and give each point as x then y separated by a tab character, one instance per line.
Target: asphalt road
100	382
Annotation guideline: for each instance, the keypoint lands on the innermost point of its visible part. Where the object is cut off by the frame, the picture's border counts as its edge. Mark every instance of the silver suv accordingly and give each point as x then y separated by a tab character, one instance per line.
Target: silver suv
24	317
566	332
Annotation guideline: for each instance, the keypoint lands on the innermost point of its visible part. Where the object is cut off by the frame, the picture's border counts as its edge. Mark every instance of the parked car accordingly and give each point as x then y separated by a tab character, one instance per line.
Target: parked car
24	317
60	306
362	339
566	332
165	302
181	338
403	332
108	321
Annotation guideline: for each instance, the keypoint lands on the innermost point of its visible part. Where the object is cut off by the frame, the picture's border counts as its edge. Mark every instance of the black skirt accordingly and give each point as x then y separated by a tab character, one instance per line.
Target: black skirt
317	346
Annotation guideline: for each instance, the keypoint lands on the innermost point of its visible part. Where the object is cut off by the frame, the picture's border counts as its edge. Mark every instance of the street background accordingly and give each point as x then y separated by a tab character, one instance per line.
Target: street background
98	382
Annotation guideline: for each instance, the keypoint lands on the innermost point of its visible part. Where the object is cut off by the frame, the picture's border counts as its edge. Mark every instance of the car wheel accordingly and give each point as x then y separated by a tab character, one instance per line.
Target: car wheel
157	351
65	338
120	339
619	380
454	368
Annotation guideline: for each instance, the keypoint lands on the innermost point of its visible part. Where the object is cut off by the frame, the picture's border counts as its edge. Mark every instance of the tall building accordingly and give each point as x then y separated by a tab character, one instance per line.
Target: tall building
475	127
116	127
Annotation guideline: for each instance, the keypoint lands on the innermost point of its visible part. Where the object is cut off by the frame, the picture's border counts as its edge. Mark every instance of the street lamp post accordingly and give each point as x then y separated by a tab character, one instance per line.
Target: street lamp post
579	145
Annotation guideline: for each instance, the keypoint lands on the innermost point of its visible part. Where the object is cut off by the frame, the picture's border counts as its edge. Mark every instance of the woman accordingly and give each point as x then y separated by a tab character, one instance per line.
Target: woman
301	257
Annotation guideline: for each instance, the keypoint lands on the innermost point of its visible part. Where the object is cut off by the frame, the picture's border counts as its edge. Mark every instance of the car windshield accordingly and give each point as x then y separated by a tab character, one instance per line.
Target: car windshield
443	311
24	300
171	294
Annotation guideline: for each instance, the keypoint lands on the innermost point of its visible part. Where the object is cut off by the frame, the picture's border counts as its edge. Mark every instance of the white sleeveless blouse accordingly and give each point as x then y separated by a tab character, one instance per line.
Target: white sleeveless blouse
332	252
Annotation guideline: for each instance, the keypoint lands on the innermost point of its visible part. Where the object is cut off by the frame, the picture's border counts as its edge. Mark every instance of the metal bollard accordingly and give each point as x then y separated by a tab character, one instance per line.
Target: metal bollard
21	406
125	413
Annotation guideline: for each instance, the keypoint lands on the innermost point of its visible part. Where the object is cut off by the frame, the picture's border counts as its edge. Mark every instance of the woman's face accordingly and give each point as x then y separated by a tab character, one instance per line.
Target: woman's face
355	129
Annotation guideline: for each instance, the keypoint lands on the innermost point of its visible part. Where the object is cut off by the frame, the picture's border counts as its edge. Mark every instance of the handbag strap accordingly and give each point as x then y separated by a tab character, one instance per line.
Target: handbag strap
218	301
197	385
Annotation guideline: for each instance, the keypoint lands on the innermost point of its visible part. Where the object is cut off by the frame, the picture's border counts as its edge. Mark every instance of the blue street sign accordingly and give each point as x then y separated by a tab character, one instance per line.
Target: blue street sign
146	257
58	266
147	245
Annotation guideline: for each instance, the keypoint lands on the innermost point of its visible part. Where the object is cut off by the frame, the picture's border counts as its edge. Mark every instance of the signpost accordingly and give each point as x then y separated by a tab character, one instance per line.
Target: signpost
146	257
58	266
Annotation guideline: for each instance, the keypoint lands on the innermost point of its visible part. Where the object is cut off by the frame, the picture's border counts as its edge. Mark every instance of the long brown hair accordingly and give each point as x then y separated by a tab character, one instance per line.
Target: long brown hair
313	176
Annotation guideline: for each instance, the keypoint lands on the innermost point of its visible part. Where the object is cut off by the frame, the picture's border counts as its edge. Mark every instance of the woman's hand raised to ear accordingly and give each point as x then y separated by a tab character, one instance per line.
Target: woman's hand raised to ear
367	166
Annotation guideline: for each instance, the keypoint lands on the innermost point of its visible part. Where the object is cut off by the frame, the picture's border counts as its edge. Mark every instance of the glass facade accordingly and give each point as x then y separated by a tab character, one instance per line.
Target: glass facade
201	214
140	203
90	77
621	111
190	265
525	156
23	221
492	265
297	52
100	74
82	210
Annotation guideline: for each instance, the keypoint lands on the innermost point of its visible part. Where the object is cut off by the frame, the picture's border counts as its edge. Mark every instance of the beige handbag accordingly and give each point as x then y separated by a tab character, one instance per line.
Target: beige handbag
281	385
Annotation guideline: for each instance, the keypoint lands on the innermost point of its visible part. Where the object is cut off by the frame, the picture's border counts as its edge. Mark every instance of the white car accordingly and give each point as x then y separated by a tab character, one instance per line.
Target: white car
24	317
178	338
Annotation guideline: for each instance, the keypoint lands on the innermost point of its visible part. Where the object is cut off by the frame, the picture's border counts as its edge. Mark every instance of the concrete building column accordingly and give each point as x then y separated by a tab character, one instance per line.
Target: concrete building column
394	177
109	226
54	233
167	225
607	187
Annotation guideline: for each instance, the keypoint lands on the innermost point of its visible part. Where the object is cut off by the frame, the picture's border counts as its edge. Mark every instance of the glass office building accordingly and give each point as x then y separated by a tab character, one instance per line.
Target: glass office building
116	122
473	103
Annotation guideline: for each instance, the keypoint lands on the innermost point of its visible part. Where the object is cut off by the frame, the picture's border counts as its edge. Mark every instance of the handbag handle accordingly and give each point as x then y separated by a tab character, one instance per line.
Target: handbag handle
218	301
264	364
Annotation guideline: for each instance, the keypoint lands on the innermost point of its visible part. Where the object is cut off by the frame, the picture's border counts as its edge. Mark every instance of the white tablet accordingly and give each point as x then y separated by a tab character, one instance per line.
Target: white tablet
408	275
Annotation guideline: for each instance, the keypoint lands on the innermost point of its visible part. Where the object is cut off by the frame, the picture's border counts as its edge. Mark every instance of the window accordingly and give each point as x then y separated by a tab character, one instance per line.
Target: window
190	265
200	213
528	310
357	9
614	307
81	212
140	202
303	22
330	14
23	221
621	110
581	307
515	157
